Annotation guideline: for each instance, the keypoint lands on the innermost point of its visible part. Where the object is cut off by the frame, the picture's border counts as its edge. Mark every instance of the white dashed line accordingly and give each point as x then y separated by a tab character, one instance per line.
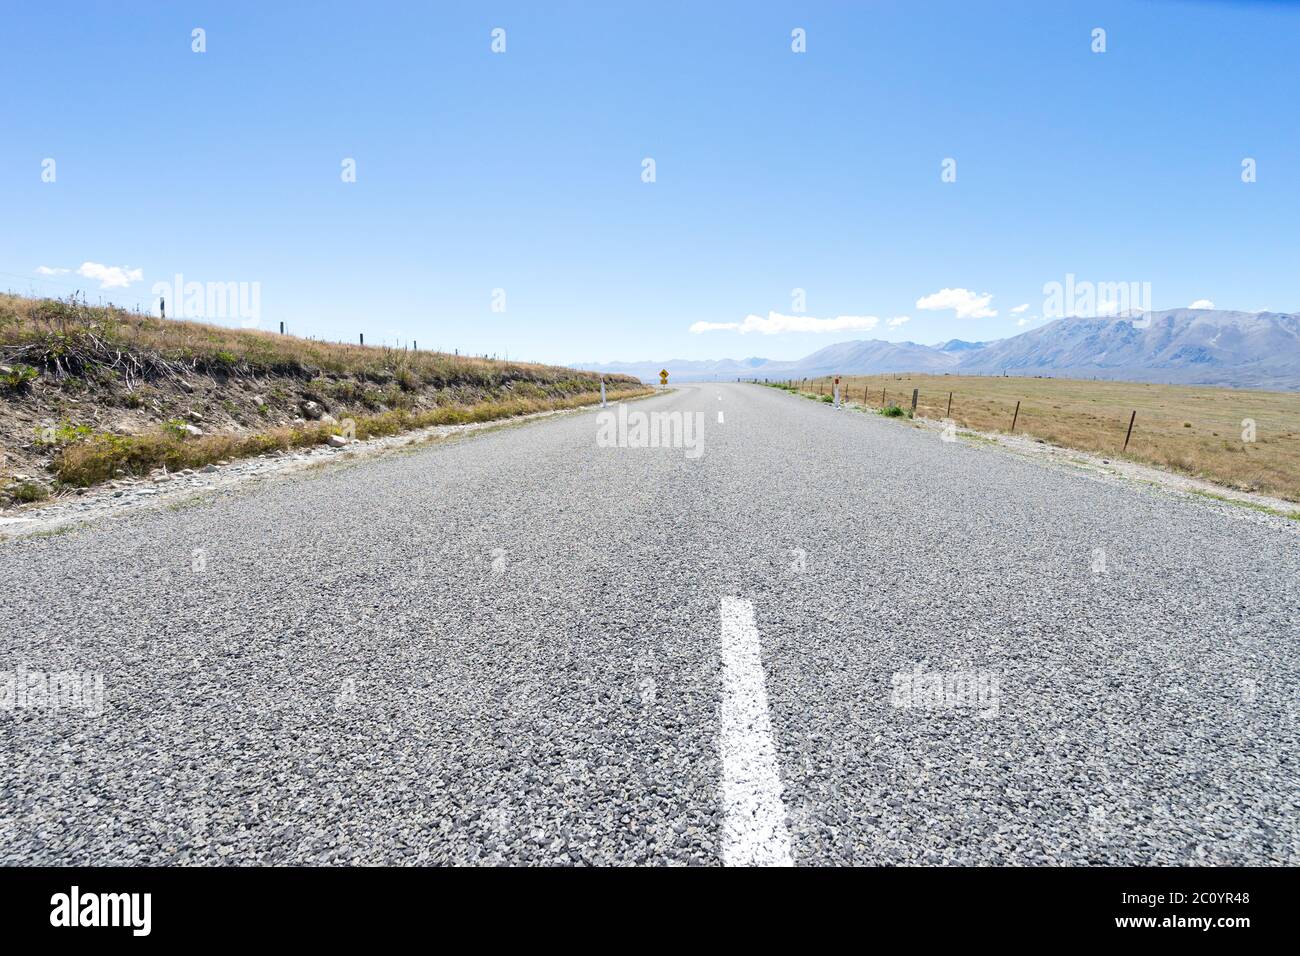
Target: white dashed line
753	816
719	418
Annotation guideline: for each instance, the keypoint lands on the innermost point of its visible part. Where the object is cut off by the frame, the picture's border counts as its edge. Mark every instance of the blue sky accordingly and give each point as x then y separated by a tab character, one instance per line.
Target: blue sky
774	170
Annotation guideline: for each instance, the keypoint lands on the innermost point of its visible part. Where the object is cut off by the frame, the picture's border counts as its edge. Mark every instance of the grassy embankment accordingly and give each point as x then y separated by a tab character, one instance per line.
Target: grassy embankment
90	393
1194	430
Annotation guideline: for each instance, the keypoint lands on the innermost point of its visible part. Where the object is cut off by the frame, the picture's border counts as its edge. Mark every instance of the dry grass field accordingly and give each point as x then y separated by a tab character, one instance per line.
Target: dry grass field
1199	431
66	338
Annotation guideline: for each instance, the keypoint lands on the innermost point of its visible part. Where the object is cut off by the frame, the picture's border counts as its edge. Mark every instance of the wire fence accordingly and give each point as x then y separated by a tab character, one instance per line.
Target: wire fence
1246	439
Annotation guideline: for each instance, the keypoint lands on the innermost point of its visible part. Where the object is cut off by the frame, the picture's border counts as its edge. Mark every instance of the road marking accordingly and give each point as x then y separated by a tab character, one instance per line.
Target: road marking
719	418
753	816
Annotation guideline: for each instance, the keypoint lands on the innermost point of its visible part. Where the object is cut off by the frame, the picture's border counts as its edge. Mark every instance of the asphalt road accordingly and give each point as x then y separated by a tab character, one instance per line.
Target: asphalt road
527	648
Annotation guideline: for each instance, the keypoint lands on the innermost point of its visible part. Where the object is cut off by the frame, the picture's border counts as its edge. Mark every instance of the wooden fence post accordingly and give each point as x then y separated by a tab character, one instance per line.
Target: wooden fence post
1015	417
949	415
915	391
1130	430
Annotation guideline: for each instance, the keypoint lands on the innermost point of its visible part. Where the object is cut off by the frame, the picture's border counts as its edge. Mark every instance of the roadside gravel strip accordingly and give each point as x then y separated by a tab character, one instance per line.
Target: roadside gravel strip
511	648
123	496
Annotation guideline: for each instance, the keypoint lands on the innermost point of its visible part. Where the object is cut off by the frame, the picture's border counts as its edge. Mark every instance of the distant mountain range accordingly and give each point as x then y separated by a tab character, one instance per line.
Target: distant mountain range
1181	346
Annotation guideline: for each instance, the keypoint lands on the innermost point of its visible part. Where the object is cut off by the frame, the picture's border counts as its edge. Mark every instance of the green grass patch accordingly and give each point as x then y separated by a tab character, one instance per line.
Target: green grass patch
18	377
28	491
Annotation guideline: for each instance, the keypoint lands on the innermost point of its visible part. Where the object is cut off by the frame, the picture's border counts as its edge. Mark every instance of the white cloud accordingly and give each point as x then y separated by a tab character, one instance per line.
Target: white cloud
899	320
48	271
776	323
110	277
1201	304
1025	320
967	304
1020	308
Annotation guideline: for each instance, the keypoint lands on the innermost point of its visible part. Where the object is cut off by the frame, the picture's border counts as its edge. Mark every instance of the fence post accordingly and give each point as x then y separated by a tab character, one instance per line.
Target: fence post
282	328
882	396
1130	430
1015	417
949	415
363	338
914	394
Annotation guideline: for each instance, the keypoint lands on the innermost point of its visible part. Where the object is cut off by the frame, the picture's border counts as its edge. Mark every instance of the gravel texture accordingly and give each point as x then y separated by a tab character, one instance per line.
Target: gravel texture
506	650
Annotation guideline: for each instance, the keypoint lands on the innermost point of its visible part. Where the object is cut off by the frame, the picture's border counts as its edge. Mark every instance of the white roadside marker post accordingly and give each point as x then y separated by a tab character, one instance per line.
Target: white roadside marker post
602	393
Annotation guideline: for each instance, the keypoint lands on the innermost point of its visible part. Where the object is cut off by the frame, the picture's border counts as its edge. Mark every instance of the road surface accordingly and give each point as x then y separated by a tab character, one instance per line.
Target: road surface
825	638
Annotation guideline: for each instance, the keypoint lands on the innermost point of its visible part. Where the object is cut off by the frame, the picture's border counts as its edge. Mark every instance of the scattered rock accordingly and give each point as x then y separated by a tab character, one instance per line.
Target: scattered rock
312	410
194	416
337	441
192	431
208	469
185	386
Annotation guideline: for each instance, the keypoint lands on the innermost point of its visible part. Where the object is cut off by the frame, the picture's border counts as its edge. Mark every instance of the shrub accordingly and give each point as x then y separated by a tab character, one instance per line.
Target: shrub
28	491
18	377
64	433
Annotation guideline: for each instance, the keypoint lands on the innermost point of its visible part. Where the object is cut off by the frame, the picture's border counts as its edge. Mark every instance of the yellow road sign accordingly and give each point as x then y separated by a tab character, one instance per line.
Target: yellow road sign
663	376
